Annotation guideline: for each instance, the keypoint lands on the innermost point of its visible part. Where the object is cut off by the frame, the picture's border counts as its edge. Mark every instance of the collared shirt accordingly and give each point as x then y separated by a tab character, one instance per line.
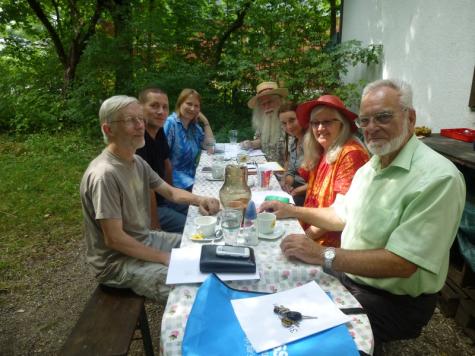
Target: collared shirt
185	149
155	152
113	188
412	208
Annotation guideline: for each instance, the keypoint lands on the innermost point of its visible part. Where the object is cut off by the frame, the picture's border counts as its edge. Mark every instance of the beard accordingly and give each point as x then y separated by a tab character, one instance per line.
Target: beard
268	125
392	145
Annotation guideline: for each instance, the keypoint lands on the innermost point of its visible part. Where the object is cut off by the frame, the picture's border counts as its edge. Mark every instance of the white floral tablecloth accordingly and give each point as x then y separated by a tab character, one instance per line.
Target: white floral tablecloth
276	274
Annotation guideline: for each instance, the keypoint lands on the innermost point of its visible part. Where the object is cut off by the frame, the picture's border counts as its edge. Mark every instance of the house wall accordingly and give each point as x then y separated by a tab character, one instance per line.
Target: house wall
428	43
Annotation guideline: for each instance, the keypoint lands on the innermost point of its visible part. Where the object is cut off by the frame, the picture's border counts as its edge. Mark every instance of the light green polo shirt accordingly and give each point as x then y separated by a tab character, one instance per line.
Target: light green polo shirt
411	208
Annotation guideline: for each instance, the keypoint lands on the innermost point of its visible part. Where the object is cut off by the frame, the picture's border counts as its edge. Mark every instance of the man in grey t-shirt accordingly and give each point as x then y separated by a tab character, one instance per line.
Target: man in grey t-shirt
115	195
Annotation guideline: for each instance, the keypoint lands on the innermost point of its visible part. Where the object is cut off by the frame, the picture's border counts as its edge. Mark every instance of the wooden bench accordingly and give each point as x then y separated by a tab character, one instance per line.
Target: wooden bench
108	323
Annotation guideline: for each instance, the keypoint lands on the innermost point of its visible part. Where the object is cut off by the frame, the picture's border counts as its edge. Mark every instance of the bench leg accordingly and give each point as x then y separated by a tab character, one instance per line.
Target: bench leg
146	338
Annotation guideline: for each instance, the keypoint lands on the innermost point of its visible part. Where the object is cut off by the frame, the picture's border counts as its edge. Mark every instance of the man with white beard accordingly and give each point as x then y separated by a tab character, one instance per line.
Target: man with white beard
398	219
269	135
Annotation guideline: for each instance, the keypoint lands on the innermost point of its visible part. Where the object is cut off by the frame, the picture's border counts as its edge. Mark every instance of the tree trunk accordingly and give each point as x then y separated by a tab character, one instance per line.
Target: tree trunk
236	25
121	15
69	58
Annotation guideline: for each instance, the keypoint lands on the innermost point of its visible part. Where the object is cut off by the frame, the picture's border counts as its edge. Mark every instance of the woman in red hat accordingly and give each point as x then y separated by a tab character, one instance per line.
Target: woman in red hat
332	154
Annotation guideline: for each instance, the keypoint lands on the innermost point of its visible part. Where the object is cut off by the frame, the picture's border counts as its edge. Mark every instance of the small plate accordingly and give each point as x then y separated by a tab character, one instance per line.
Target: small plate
218	236
278	232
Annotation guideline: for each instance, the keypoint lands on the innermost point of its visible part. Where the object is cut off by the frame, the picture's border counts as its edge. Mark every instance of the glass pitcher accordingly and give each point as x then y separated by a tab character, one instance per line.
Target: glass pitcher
235	192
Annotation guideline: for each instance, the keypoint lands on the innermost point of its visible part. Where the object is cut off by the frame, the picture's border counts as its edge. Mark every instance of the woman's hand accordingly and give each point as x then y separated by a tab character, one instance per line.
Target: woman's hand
288	185
302	190
202	118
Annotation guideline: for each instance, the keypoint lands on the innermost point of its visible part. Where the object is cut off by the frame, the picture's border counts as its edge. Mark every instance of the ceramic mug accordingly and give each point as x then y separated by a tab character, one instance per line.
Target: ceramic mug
266	223
206	225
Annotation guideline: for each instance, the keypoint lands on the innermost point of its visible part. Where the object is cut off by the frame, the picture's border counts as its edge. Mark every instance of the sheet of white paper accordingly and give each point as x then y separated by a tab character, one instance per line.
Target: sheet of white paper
263	327
231	151
255	153
272	166
258	196
185	268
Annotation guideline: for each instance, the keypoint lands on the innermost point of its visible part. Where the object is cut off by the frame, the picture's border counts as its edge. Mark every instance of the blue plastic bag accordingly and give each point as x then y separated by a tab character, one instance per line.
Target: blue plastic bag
213	329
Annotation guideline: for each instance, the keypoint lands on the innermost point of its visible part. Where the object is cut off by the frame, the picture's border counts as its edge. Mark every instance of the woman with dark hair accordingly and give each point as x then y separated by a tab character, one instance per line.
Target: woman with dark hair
186	137
294	178
331	153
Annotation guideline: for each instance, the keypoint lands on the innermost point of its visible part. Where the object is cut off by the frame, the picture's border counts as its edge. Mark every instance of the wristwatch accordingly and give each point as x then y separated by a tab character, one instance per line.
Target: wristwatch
328	256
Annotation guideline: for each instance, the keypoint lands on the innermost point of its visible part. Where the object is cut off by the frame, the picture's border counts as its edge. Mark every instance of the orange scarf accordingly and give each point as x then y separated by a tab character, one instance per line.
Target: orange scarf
328	180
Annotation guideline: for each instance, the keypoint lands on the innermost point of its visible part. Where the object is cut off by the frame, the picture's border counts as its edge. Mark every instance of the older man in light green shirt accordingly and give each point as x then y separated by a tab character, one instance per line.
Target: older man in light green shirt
399	219
411	208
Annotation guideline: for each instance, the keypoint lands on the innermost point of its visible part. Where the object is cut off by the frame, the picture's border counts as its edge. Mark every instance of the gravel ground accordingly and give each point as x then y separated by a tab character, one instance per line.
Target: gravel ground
37	320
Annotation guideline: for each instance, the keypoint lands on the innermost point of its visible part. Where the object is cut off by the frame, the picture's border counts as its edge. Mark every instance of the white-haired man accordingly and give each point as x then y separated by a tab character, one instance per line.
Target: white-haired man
399	219
115	195
269	135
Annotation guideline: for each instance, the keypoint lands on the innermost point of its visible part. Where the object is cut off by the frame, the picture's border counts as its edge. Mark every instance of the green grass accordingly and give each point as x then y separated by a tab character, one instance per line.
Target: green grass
40	209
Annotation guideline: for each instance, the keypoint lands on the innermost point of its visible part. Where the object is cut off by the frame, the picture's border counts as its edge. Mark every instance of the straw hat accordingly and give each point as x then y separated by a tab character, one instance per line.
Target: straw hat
266	88
331	101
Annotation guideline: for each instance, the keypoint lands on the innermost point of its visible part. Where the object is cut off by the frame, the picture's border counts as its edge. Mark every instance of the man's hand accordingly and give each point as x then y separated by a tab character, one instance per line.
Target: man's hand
281	210
302	248
166	258
209	206
245	145
155	225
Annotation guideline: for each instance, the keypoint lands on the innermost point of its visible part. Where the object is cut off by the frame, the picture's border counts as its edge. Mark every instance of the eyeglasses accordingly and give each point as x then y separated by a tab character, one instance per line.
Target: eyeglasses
132	121
380	118
324	123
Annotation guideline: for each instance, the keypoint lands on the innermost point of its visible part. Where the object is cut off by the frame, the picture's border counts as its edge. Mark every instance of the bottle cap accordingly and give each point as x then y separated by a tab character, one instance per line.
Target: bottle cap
250	213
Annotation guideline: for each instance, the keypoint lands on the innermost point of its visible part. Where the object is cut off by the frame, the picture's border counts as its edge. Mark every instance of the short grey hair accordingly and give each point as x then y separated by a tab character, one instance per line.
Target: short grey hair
110	110
403	88
312	150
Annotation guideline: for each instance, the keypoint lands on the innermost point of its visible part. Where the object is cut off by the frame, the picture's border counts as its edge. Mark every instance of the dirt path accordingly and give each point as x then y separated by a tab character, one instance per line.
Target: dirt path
37	320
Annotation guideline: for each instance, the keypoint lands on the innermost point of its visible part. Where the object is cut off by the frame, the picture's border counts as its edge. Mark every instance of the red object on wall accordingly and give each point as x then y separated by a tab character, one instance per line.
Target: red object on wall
467	135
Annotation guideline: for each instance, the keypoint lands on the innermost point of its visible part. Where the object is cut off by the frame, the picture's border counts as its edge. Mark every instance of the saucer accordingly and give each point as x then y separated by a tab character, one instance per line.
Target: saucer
278	232
218	235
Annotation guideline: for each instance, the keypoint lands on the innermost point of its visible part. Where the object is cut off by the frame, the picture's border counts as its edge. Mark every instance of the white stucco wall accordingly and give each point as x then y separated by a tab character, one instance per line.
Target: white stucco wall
428	43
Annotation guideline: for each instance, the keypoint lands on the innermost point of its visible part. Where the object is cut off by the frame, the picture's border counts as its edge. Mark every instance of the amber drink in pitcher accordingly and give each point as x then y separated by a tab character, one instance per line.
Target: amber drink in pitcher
235	192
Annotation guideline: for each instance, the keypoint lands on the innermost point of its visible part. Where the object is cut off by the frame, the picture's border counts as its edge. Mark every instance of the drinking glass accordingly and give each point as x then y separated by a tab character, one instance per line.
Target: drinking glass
211	146
233	134
231	224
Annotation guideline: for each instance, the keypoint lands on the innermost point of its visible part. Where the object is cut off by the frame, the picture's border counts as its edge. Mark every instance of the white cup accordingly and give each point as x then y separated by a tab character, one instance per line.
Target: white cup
266	223
206	225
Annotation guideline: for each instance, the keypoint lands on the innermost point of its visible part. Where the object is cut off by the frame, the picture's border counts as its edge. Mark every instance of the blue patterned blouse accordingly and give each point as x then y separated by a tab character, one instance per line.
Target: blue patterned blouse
185	148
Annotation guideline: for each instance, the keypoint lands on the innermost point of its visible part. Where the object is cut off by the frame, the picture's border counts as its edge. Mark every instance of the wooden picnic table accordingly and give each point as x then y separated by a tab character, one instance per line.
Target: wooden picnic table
457	151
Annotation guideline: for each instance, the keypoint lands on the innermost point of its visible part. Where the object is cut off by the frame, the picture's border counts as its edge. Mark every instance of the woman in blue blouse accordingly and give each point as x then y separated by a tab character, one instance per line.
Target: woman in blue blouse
186	137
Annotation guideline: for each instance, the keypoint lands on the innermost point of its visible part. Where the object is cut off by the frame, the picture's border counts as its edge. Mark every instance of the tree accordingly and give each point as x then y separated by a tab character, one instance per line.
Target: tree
221	48
70	27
